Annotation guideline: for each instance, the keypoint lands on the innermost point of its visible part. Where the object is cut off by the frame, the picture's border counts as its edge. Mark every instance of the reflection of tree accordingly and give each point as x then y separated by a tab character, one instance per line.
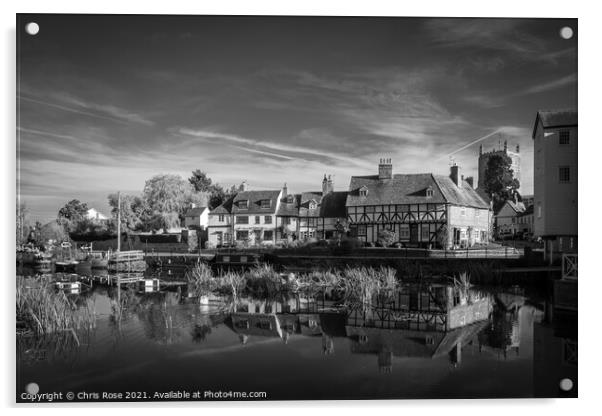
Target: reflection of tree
499	332
200	332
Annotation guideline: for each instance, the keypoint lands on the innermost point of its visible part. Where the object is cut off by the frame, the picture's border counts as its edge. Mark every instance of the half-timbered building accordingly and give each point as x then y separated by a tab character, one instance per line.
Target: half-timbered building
424	210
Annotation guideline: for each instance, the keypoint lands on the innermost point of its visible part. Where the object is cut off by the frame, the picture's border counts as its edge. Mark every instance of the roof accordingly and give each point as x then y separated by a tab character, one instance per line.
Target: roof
527	211
304	205
555	118
224	208
289	210
333	205
411	343
412	189
255	198
195	212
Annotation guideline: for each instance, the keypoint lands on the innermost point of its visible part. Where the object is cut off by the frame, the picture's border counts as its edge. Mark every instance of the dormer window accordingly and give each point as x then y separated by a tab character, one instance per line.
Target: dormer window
429	192
289	199
363	191
266	203
312	204
243	204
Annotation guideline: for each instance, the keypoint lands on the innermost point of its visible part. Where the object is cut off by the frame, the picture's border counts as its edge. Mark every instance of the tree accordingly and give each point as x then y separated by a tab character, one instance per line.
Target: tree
72	214
214	193
134	211
200	181
167	197
499	180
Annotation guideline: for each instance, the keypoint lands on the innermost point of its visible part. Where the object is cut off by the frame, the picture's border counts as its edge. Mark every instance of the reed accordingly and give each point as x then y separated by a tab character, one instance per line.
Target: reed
41	310
200	279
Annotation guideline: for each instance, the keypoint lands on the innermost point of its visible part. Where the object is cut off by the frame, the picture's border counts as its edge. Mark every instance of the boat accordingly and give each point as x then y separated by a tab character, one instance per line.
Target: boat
235	260
125	261
30	256
66	266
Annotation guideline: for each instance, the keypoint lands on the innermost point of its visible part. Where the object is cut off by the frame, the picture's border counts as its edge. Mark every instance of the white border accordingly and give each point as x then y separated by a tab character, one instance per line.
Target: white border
590	154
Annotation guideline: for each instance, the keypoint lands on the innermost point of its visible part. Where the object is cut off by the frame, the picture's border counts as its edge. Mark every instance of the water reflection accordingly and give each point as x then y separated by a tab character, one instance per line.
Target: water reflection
438	322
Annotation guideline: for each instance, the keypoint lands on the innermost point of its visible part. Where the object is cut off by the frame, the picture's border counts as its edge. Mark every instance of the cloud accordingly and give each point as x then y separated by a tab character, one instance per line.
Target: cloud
90	109
551	85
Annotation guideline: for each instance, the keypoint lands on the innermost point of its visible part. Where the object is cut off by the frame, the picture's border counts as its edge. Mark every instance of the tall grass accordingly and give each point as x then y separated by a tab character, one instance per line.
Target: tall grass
42	310
200	279
363	287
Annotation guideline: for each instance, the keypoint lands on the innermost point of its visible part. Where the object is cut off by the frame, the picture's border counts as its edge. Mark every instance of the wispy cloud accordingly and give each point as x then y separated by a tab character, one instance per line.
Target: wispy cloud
100	111
551	85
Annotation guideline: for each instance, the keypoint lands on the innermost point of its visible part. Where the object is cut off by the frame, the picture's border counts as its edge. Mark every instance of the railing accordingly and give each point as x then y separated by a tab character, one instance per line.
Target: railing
569	266
126	256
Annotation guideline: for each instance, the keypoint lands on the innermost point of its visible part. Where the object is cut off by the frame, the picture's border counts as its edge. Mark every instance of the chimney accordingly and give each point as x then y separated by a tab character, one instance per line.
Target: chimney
518	148
385	169
243	186
455	174
470	181
480	150
284	190
505	145
330	184
324	185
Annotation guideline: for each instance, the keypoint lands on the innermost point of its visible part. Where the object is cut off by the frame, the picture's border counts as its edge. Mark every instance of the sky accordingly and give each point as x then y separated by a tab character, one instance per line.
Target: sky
106	102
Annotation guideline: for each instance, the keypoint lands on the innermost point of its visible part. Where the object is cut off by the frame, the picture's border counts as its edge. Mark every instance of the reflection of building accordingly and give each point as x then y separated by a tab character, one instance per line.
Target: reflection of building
419	321
555	352
389	343
422	209
555	180
296	315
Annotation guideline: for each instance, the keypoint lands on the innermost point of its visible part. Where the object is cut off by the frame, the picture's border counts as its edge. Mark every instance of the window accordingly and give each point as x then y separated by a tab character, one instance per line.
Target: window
268	235
221	218
267	219
257	219
289	199
363	191
404	231
539	210
564	137
242	219
361	230
242	234
287	220
266	203
429	192
243	204
426	234
463	211
564	174
477	213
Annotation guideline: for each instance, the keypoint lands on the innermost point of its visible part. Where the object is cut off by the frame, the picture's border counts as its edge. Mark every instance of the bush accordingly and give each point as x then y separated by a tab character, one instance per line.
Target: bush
386	238
348	244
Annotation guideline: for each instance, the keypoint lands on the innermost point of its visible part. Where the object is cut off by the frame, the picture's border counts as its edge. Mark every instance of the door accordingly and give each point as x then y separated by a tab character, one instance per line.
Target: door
413	233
